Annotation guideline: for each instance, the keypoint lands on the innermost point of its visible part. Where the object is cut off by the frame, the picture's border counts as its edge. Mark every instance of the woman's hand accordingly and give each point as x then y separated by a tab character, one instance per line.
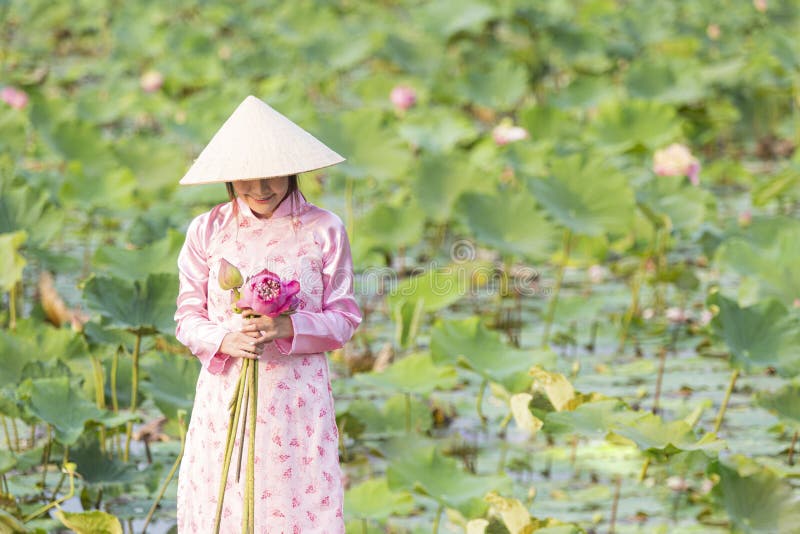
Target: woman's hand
265	328
240	345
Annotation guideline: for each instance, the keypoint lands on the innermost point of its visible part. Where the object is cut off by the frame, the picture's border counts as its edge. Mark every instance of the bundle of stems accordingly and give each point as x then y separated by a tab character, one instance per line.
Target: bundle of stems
242	406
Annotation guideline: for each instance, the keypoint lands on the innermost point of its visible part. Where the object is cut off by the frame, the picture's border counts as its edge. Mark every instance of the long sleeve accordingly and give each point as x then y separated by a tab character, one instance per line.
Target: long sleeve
194	329
331	328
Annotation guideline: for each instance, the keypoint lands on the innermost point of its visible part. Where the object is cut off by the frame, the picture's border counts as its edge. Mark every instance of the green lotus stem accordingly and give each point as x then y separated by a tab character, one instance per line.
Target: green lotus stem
348	199
479	402
790	458
643	472
245	401
4	484
12	307
114	365
233	423
551	308
363	526
6	432
408	412
70	470
437	518
614	505
99	396
63	473
182	431
16	434
662	361
31	435
724	405
636	284
46	455
251	448
134	387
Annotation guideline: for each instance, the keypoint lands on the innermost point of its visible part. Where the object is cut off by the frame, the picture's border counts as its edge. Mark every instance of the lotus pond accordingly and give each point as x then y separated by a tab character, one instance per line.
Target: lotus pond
574	225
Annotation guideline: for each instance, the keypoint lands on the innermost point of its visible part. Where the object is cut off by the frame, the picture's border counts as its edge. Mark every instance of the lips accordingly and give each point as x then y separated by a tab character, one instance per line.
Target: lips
263	200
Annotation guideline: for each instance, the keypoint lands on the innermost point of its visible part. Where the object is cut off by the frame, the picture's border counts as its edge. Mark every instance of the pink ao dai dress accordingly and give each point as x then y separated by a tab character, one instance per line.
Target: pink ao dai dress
298	482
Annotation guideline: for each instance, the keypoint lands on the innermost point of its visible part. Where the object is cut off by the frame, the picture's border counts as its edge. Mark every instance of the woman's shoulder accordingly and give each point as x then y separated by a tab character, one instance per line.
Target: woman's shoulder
204	225
322	218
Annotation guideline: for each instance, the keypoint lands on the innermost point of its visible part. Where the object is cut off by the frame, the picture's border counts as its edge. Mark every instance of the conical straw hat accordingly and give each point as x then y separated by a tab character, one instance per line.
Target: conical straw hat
258	142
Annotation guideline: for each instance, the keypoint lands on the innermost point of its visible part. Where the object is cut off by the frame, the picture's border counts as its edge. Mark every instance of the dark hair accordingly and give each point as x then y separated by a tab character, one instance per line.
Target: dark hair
293	186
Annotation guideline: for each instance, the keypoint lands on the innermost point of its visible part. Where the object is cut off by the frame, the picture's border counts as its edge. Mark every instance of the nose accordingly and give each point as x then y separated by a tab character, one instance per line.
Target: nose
263	187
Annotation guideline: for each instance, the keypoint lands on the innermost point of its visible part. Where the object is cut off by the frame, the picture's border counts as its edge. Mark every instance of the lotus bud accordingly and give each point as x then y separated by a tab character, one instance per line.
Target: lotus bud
151	81
229	276
16	98
403	97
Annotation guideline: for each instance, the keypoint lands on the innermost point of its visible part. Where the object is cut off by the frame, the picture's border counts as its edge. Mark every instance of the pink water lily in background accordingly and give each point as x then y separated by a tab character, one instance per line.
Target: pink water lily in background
505	133
403	97
16	98
151	81
677	160
760	5
266	294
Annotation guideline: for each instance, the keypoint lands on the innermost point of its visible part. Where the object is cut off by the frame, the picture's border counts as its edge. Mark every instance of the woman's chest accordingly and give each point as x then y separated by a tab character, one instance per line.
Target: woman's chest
291	253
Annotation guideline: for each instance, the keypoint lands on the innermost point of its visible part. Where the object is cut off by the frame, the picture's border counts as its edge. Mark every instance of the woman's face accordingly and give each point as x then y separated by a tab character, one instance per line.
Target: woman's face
262	196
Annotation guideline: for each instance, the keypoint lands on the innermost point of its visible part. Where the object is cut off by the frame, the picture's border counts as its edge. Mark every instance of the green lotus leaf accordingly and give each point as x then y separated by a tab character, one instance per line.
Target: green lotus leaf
499	85
586	91
785	403
98	470
152	162
673	197
12	264
508	222
436	130
758	336
85	192
548	124
47	342
7	461
468	343
10	524
674	80
59	403
93	522
415	373
651	433
389	227
622	125
439	288
372	499
81	142
586	196
135	264
426	471
772	263
407	315
591	418
25	208
171	381
755	498
399	414
448	17
147	307
372	149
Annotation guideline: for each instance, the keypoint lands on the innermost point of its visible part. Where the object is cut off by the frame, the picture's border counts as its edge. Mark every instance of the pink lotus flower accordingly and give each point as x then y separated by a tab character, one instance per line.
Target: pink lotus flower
403	97
713	31
745	218
16	98
151	81
506	132
676	160
266	294
760	5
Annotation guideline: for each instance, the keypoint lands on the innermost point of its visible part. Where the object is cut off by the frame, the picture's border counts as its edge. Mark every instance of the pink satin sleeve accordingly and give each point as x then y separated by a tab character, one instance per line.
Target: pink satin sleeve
331	328
194	329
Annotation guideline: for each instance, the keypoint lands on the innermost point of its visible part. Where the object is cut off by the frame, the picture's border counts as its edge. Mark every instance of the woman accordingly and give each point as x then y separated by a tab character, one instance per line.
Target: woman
267	224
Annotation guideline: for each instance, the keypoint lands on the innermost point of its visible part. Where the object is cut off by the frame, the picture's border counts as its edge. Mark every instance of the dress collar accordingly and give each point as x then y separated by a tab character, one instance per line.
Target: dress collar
284	209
